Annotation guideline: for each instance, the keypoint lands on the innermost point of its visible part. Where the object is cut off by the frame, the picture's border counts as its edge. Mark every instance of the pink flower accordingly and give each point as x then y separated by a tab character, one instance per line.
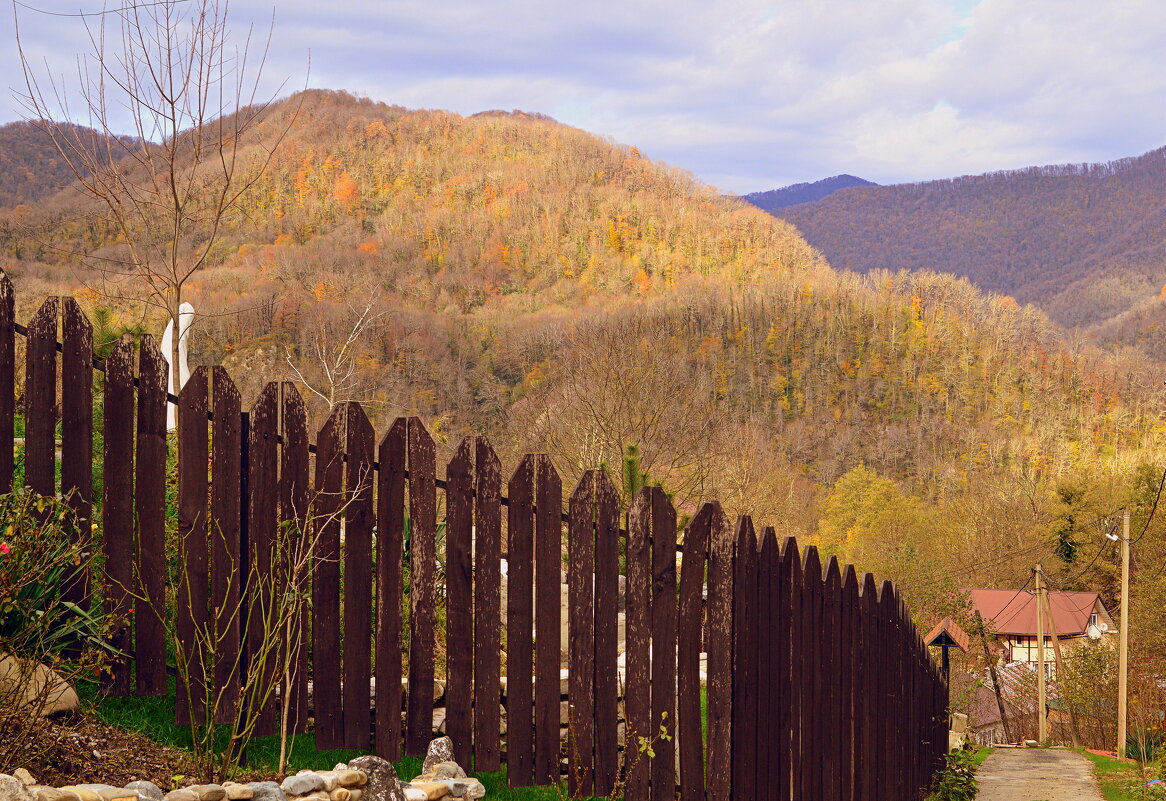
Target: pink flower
4	548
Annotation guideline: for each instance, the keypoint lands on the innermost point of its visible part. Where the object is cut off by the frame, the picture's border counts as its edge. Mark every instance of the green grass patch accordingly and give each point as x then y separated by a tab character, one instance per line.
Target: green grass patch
1114	776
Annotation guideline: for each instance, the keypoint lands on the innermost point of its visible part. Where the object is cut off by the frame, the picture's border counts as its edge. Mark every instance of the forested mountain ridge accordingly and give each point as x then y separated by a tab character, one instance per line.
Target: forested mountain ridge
31	167
792	195
1086	243
510	275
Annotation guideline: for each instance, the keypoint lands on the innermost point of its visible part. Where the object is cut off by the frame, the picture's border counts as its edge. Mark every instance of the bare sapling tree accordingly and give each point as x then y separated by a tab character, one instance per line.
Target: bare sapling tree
330	371
176	103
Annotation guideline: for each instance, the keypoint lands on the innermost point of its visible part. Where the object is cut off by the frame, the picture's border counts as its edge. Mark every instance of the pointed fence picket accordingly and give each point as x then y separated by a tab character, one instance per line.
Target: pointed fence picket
817	684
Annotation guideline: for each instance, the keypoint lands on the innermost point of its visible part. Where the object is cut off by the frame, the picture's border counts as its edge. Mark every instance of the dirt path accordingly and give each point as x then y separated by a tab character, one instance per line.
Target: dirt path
1033	774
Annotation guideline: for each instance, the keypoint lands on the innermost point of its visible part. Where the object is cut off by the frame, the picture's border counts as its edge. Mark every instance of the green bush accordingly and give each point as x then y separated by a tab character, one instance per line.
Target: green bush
957	780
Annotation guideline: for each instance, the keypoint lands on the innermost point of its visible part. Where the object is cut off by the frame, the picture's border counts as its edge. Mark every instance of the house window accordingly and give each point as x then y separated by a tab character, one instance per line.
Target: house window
1093	619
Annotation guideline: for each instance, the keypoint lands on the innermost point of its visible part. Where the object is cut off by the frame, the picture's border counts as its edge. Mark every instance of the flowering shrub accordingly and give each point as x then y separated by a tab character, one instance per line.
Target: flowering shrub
45	640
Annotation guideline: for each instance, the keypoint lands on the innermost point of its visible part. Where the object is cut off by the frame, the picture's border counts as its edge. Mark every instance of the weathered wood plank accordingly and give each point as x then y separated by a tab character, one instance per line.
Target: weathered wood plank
118	510
830	642
487	607
226	537
459	494
194	571
7	380
787	653
606	709
690	629
150	507
520	624
719	646
294	483
767	732
548	554
663	773
849	660
581	631
638	634
77	437
358	601
423	591
328	508
40	401
744	667
262	519
813	729
390	545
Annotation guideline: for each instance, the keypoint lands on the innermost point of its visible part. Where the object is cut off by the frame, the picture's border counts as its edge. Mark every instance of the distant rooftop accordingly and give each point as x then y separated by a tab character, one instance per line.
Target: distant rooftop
1014	613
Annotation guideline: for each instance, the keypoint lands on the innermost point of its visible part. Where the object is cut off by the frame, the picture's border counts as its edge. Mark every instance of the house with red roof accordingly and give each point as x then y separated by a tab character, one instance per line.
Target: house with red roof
1077	617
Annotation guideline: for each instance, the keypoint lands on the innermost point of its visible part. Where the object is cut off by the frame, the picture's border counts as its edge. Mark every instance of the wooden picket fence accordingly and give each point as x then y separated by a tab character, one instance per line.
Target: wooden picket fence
818	685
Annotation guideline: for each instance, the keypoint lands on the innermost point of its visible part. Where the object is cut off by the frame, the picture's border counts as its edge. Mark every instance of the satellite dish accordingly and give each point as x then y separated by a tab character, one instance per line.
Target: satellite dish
1104	627
1093	632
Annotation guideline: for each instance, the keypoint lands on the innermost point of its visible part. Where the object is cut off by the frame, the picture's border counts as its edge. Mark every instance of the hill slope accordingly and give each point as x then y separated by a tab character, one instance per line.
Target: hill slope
31	168
511	275
794	194
1085	243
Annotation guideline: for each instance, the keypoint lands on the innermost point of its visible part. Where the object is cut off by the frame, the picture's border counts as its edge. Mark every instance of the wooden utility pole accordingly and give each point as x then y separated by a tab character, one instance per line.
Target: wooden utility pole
1060	663
995	679
1123	636
1042	720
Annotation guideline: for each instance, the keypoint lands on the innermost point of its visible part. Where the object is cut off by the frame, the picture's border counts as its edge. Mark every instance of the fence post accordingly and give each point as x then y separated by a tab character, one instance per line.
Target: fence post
689	630
40	401
487	607
150	508
329	489
719	646
262	518
7	381
422	590
663	773
293	516
519	623
745	666
548	555
226	530
118	510
390	546
459	623
77	436
193	488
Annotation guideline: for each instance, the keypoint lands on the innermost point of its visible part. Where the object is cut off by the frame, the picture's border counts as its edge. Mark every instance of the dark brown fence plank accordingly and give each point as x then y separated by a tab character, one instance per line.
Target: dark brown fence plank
262	519
813	730
719	646
831	641
390	542
487	607
581	631
790	657
663	772
118	509
606	710
7	380
194	572
294	481
637	693
548	554
519	625
150	507
423	590
77	434
767	736
850	635
459	495
358	525
40	401
329	502
226	531
868	786
689	628
744	667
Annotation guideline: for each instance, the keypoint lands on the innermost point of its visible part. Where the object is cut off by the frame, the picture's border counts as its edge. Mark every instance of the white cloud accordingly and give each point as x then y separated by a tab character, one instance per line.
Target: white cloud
748	94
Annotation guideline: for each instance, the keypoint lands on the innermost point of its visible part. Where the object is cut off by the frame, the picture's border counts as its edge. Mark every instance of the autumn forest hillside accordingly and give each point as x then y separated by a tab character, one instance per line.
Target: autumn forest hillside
1085	243
507	274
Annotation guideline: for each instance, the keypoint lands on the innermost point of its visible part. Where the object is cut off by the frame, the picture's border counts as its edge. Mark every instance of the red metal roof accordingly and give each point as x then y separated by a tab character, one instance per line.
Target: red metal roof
1010	612
946	632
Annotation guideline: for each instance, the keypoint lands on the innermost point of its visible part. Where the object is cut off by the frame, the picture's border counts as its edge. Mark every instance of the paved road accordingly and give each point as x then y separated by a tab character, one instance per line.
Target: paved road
1034	774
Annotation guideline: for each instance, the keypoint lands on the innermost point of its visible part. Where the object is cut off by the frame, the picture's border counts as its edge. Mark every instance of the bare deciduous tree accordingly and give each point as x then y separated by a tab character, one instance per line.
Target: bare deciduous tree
175	100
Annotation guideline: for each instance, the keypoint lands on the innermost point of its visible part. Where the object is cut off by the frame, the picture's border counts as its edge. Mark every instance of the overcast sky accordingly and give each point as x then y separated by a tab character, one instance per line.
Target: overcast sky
747	95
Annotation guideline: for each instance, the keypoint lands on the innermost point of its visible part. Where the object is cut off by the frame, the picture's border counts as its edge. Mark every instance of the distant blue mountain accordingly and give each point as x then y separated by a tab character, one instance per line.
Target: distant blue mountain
794	194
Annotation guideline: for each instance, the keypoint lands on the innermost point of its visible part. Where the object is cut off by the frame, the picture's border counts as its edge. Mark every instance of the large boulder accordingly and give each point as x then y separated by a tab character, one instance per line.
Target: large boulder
35	687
